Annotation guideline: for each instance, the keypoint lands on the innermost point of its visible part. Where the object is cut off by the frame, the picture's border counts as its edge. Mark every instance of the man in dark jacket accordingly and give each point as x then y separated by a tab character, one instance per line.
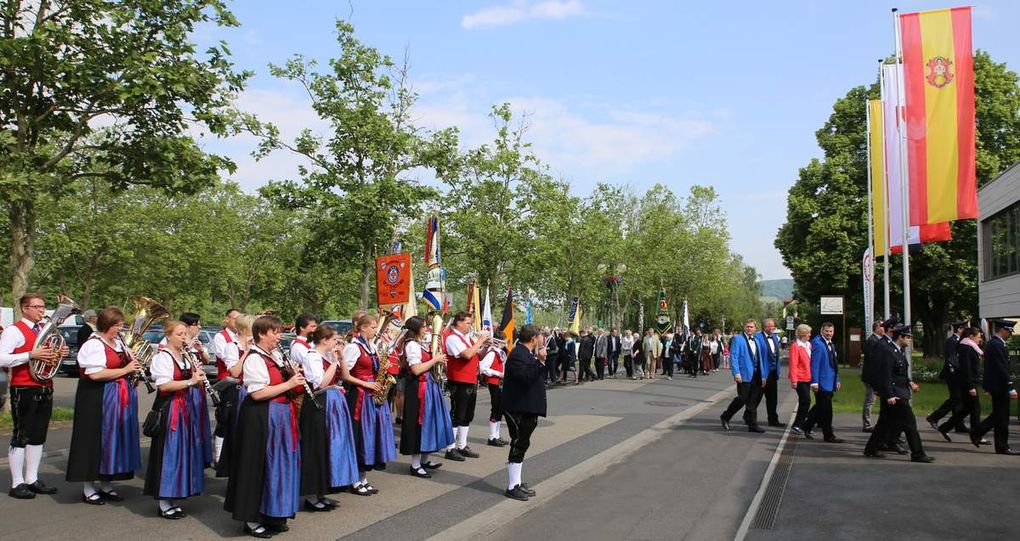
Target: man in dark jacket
966	380
552	349
585	352
999	384
523	402
867	366
947	375
894	386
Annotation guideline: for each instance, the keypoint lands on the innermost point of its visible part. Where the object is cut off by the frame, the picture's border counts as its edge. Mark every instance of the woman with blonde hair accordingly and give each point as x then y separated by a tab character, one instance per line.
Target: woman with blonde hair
800	374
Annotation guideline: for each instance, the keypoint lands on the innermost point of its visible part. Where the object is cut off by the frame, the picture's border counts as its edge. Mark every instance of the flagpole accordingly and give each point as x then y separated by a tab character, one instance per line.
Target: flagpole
869	301
885	209
904	170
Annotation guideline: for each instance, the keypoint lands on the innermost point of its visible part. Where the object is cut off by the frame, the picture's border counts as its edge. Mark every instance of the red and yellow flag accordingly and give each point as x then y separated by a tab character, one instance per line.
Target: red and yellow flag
938	67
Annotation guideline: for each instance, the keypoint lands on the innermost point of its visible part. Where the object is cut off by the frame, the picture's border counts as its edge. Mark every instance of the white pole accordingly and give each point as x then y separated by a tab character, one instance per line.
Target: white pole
885	210
904	173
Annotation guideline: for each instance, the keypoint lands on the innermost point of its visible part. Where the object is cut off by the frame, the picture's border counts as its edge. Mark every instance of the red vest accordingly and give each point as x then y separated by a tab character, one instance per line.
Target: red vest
460	370
179	375
365	368
114	359
497	365
221	369
20	375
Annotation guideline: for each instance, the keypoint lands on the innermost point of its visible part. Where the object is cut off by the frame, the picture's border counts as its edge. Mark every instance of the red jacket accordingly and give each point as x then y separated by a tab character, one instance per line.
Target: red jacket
800	363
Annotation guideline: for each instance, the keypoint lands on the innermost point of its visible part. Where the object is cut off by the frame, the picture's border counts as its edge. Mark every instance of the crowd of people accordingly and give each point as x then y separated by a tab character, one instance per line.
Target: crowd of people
291	428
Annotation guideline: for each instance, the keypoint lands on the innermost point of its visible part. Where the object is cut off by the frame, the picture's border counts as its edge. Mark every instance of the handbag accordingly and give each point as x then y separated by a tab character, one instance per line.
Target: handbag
153	425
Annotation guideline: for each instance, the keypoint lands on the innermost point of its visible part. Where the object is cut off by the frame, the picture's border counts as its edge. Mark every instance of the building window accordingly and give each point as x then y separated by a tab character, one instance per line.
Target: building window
1001	237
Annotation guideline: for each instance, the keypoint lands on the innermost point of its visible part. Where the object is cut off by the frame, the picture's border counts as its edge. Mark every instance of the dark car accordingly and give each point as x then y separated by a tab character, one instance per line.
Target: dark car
69	364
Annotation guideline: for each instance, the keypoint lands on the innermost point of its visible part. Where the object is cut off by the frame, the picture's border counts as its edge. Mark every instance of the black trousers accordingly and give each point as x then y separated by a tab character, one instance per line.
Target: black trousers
803	402
998	421
31	408
771	392
551	364
565	365
628	365
949	406
495	398
748	397
667	366
821	414
521	426
600	368
462	402
968	406
879	438
901	419
614	363
585	370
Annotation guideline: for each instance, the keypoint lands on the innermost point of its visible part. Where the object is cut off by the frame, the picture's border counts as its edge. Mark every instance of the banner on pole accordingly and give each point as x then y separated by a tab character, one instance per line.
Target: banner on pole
393	279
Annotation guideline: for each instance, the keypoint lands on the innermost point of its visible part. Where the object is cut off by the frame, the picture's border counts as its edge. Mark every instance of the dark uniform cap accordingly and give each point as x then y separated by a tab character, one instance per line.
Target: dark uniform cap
902	330
890	323
959	324
1003	324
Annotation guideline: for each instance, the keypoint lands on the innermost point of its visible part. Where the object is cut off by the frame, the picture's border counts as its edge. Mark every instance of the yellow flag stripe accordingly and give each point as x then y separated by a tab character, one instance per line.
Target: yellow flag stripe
876	163
940	111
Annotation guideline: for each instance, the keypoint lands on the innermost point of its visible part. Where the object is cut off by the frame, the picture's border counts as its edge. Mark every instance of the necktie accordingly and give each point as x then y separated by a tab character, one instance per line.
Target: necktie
36	328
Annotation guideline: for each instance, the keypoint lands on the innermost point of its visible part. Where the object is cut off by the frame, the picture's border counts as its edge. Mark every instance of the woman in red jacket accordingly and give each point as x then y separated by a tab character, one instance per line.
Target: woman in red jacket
800	374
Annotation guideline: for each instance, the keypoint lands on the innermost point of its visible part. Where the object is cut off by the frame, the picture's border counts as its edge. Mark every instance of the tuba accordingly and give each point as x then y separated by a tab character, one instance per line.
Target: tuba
49	337
147	312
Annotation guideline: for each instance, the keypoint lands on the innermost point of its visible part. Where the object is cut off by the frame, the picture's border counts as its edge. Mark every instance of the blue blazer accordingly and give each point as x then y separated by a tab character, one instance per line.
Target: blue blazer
768	362
824	371
742	360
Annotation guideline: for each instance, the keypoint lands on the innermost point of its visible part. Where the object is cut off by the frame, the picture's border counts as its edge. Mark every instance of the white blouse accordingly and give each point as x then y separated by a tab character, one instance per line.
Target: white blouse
92	355
162	367
256	375
352	352
312	365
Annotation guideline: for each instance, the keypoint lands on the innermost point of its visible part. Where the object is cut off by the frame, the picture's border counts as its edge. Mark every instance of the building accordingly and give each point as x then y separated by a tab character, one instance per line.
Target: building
999	246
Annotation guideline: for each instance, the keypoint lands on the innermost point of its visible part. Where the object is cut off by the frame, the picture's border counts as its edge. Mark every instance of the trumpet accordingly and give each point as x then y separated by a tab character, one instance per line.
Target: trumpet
490	340
192	360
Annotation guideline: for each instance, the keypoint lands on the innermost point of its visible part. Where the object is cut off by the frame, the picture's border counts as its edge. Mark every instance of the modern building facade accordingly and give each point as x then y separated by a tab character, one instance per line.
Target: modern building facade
999	246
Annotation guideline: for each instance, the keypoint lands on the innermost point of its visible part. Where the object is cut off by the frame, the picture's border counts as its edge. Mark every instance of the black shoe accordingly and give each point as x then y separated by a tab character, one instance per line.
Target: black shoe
454	455
260	531
868	429
923	459
961	431
432	465
278	528
975	439
527	490
516	493
360	490
934	423
756	429
1007	451
41	488
171	514
329	503
95	499
495	442
945	436
725	422
874	454
21	492
797	430
313	508
777	424
834	439
898	449
420	472
809	434
467	452
111	496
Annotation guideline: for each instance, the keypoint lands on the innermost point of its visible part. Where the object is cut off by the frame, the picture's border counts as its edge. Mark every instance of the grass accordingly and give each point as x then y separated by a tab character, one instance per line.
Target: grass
850	397
59	414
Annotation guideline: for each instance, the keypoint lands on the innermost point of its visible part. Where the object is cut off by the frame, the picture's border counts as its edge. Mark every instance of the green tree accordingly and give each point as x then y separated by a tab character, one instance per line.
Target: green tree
70	66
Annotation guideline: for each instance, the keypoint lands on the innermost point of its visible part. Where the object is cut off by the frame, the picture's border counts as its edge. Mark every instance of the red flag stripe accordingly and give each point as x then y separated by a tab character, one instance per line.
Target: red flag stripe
966	178
916	122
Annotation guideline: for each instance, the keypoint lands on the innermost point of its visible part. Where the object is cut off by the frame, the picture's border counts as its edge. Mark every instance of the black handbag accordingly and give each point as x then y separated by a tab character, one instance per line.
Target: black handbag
153	425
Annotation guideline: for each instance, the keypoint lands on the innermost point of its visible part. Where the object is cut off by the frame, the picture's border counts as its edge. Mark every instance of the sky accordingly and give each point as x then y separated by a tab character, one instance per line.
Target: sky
727	94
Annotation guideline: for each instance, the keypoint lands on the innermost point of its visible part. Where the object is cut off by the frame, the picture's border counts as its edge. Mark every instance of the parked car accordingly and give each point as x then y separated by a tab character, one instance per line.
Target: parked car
69	364
285	341
341	326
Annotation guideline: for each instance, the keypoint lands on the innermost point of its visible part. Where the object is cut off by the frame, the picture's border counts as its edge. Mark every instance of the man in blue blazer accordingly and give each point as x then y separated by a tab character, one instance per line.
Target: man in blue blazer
748	371
824	382
768	345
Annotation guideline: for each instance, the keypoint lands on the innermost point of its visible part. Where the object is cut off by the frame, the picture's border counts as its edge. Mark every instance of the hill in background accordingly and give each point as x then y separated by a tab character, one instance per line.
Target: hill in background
777	289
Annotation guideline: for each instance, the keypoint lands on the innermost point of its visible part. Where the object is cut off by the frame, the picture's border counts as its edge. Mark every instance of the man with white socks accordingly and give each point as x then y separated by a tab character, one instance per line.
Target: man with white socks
523	402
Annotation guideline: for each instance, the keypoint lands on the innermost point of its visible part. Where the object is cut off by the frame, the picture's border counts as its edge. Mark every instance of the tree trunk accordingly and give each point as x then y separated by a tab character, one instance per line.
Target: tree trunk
22	219
367	270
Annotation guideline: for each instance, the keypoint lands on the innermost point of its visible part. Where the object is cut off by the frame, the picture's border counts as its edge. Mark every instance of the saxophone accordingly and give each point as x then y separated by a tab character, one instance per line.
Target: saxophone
382	348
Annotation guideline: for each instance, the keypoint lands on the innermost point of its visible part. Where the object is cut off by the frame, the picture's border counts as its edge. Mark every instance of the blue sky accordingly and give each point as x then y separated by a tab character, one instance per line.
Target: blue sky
727	94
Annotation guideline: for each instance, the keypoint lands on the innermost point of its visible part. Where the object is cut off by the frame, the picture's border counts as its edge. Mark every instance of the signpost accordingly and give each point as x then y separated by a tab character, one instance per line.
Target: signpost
832	305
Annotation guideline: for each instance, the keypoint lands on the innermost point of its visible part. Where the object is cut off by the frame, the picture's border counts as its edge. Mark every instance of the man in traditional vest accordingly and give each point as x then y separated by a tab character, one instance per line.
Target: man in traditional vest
227	352
304	326
462	368
31	400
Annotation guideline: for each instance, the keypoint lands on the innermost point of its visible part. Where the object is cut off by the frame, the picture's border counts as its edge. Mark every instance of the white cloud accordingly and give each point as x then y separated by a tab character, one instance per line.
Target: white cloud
523	10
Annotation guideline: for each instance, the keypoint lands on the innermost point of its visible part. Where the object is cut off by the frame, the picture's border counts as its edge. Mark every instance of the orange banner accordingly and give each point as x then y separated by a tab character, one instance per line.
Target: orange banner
393	279
938	66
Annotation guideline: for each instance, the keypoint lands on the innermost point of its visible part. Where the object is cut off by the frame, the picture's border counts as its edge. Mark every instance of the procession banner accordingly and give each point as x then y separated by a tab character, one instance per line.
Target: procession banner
393	279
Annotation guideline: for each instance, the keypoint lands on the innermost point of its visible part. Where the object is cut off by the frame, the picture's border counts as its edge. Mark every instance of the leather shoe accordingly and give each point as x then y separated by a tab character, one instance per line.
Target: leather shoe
796	430
777	424
834	439
868	429
975	440
454	455
432	465
874	454
42	488
495	442
527	490
110	496
259	531
420	472
934	424
756	428
1010	452
467	452
329	503
945	436
516	493
725	423
898	449
278	528
923	459
21	492
313	508
809	434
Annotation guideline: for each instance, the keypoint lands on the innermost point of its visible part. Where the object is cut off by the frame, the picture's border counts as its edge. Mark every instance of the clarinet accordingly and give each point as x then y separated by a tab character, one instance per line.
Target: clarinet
192	361
293	369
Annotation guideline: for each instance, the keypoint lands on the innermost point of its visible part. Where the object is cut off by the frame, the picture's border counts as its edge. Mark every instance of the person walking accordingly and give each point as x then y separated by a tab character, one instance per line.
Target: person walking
947	375
800	375
999	384
653	350
824	383
523	403
967	380
747	373
768	344
867	365
627	350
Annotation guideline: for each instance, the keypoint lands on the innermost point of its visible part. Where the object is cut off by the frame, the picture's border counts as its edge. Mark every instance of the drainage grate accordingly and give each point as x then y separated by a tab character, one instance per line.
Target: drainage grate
765	518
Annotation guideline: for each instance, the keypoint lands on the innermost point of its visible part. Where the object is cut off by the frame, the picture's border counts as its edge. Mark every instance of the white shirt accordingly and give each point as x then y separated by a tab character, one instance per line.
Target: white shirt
229	353
627	345
256	375
162	367
10	340
352	352
298	350
486	365
412	352
805	344
454	345
92	355
772	345
753	344
713	346
313	368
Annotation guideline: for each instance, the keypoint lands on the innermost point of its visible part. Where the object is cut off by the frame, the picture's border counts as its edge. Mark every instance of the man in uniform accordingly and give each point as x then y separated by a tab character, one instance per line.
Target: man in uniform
746	365
949	368
31	400
227	351
867	365
768	344
999	384
894	386
304	326
462	369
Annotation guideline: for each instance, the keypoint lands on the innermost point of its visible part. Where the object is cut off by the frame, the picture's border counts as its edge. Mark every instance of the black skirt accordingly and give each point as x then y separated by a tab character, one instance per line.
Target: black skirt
86	452
226	426
410	430
314	450
248	459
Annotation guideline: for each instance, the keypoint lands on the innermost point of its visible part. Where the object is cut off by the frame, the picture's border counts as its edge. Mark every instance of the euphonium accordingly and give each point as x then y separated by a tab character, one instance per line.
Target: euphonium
49	337
147	312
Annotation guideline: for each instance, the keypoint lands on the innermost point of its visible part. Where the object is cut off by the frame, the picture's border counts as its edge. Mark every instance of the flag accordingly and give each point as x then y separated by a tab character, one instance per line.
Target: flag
487	313
876	167
433	256
434	293
393	279
476	307
528	315
507	323
574	316
938	67
888	124
868	276
662	323
411	308
687	321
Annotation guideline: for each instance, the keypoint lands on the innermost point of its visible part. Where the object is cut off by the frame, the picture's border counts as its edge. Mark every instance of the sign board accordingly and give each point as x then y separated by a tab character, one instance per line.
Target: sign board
855	338
393	279
831	305
789	323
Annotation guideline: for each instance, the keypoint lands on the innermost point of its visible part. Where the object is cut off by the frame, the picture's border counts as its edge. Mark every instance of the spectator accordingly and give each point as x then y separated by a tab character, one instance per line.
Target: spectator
800	374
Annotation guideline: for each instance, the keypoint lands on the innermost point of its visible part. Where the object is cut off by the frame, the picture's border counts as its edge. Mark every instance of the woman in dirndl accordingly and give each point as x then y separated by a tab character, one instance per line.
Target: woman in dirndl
427	427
